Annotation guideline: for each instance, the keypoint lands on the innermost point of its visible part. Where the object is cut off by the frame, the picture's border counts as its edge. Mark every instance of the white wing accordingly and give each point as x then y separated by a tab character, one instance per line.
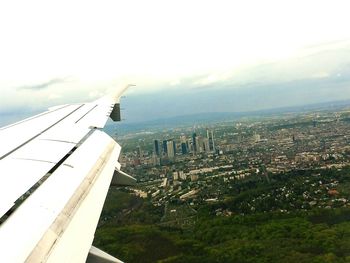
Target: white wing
55	171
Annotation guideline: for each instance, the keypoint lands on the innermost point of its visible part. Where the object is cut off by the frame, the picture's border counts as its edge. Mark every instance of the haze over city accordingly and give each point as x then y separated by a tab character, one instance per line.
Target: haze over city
185	58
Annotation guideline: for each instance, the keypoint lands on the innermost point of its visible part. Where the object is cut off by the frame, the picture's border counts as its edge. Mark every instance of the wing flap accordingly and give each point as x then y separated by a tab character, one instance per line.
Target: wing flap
98	256
52	207
50	151
18	180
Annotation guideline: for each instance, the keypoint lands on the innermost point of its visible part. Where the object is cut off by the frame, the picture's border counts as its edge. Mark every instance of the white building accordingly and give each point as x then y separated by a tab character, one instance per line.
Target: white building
170	148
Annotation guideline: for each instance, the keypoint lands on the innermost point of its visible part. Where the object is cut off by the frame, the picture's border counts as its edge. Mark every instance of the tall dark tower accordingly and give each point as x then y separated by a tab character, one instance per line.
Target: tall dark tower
183	148
194	136
165	147
156	147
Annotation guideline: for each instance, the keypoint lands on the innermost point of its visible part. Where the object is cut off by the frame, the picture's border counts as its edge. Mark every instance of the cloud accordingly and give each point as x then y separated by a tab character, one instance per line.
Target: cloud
95	94
54	96
44	85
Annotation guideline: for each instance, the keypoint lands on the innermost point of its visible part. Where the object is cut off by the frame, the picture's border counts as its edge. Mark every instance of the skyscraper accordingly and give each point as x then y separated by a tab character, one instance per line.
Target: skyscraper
184	148
206	145
212	141
171	148
210	136
194	143
165	148
199	144
184	144
156	147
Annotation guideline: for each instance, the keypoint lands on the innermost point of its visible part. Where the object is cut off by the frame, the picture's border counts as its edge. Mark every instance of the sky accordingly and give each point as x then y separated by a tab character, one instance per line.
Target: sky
184	56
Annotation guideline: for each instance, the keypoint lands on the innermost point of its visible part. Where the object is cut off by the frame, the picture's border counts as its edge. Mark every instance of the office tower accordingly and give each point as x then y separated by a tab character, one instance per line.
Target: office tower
170	144
199	144
156	147
212	143
165	148
210	137
194	143
206	145
183	148
183	144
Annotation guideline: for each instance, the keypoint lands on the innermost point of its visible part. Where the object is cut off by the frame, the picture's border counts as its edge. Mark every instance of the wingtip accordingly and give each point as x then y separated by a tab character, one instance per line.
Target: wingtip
116	114
119	92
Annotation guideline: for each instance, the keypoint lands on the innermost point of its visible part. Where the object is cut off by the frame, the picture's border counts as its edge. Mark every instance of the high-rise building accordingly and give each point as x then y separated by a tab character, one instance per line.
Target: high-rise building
212	142
194	142
199	144
170	148
156	147
206	145
210	137
165	148
184	148
184	144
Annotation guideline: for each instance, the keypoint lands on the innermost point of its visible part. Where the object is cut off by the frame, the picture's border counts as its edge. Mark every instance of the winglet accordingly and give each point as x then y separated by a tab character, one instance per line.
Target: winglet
119	92
115	114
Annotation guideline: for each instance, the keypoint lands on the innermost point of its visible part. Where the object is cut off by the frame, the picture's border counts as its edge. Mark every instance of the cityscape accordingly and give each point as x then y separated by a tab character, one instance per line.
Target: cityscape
175	168
289	165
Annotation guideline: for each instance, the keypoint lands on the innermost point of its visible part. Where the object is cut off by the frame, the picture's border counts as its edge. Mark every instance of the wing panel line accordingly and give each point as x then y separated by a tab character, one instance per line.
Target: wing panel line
34	117
26	142
86	113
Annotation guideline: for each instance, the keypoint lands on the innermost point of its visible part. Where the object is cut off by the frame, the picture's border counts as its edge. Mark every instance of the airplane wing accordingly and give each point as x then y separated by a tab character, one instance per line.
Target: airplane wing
55	171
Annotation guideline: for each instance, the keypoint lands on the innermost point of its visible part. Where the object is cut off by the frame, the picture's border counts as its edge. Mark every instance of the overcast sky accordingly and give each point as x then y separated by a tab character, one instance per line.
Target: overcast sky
54	52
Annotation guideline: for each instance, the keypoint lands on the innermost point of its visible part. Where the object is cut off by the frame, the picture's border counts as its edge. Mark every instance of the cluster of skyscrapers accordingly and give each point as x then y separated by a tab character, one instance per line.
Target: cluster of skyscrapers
196	144
165	148
203	144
